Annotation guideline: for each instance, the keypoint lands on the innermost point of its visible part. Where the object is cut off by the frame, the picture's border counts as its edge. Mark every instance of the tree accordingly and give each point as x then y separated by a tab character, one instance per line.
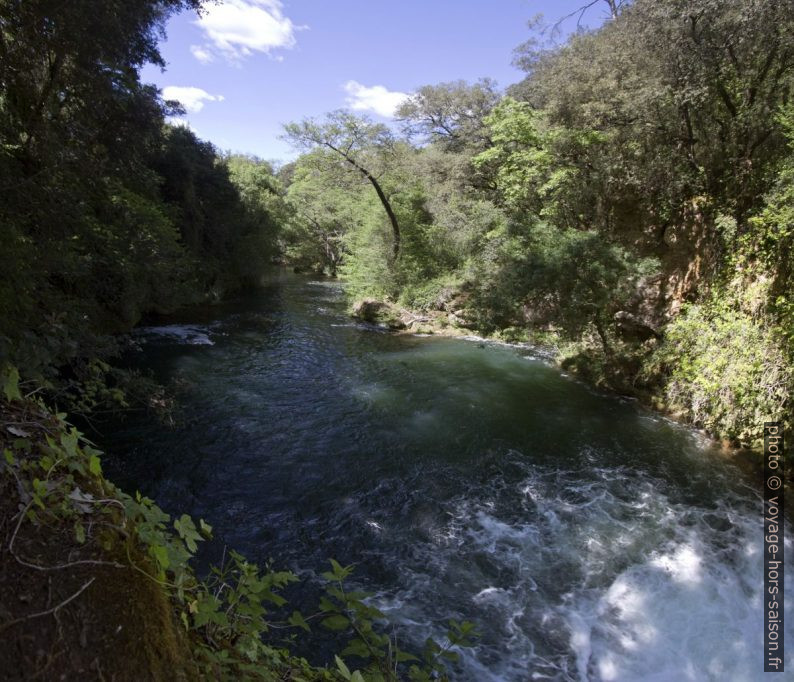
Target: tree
107	213
615	7
80	213
362	145
324	211
265	213
539	170
225	208
685	91
451	114
68	71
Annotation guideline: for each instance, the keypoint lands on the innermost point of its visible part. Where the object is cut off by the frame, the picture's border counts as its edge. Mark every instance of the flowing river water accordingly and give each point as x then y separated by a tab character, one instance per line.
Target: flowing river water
588	539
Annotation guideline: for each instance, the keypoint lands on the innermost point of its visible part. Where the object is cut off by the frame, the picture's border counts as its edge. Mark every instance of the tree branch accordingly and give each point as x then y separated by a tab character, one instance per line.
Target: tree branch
53	610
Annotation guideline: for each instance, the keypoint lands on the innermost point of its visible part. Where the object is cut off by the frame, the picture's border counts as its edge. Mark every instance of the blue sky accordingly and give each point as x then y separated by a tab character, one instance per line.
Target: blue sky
248	66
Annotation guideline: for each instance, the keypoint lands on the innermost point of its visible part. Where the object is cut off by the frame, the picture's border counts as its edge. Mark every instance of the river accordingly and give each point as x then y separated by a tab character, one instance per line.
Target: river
588	538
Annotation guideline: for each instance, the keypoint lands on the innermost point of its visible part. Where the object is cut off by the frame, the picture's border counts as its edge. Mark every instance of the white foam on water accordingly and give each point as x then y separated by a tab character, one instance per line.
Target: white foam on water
489	593
597	576
692	610
331	284
190	335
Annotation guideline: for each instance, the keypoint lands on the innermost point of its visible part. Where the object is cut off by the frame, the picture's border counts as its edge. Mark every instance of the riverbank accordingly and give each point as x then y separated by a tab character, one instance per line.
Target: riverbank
97	584
567	357
462	478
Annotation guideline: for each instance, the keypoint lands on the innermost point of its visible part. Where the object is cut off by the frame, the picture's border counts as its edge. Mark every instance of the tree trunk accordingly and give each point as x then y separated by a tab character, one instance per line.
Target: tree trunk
602	335
395	226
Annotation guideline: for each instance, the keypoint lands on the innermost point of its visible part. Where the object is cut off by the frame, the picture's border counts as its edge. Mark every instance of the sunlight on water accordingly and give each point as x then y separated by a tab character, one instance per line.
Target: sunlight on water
589	540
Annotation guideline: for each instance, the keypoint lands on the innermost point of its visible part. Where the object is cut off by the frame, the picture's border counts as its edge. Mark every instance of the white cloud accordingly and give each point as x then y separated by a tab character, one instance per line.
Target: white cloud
238	28
376	98
203	54
191	98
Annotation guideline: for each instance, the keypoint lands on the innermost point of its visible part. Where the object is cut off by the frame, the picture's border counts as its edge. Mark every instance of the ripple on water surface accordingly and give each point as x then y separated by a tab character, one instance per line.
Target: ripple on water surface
588	539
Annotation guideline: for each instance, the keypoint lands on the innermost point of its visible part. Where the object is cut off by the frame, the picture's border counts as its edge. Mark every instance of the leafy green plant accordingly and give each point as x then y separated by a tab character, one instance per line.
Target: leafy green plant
235	617
347	612
726	369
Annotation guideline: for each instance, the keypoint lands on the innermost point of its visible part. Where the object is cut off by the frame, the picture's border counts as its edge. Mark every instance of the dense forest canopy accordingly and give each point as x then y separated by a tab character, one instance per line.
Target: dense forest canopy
108	212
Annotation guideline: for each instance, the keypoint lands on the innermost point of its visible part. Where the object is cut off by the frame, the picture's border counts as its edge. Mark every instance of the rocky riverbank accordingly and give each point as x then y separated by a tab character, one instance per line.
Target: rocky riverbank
578	359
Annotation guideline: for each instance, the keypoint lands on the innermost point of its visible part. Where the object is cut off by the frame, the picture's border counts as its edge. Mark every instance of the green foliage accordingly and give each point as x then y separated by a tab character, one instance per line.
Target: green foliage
726	369
571	279
108	213
234	615
325	208
518	154
555	208
538	169
365	266
225	210
349	613
10	379
729	361
358	145
449	114
60	483
432	294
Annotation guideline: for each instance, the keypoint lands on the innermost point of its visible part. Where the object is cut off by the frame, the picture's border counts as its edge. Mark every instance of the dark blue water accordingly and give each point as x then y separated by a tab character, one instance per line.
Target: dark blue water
589	539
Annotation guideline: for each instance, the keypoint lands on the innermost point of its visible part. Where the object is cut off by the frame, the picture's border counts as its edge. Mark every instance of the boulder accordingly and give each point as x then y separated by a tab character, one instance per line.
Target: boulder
369	309
378	312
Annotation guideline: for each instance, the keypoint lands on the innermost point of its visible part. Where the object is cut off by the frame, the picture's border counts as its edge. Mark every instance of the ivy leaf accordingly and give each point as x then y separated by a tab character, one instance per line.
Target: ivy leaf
94	465
339	572
298	621
187	531
327	605
11	384
160	553
69	442
357	647
336	623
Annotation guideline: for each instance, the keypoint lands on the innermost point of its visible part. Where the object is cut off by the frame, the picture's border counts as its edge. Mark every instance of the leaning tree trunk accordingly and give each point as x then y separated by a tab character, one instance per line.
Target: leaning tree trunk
395	226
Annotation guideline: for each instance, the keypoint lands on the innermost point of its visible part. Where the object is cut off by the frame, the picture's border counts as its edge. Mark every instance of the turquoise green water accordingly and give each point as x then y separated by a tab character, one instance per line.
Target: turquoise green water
588	538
